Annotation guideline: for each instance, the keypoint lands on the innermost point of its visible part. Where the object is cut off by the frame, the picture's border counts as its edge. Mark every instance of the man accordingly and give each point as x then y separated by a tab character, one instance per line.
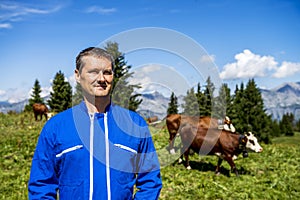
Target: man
228	126
95	150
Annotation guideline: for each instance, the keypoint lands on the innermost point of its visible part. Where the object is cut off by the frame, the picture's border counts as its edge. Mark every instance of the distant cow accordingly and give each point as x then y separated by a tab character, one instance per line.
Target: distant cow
222	143
40	109
174	122
152	119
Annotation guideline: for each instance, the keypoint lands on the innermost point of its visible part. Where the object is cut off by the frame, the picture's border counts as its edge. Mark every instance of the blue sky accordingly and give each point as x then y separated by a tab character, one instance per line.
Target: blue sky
244	39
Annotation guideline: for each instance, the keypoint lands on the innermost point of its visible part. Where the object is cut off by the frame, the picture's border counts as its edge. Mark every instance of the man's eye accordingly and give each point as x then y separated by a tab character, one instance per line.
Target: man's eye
107	72
93	72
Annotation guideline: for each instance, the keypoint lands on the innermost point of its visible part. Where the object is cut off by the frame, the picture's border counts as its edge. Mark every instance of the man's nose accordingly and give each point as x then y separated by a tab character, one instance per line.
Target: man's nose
100	76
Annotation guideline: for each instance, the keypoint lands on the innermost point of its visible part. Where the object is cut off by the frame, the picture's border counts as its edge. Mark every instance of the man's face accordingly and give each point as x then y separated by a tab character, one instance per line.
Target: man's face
96	76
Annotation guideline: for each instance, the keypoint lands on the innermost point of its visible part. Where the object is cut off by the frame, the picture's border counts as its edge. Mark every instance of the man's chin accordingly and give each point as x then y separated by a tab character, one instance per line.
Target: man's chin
102	95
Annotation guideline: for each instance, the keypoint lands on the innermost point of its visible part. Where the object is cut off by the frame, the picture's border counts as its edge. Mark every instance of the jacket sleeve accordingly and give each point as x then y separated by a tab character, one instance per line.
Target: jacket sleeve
148	181
43	182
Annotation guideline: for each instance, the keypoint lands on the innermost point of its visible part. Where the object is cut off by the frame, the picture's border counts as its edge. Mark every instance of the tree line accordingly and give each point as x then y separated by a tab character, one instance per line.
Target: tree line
245	107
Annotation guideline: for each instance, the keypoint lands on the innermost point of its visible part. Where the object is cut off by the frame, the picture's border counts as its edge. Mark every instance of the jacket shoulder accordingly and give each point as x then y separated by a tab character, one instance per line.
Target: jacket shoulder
120	112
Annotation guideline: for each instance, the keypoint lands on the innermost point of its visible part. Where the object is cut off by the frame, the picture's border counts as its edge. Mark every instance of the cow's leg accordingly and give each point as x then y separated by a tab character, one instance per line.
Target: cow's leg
186	157
171	142
218	166
232	165
35	116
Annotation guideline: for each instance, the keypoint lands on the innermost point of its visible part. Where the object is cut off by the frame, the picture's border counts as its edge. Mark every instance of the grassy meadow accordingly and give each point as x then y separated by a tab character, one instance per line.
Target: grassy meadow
272	174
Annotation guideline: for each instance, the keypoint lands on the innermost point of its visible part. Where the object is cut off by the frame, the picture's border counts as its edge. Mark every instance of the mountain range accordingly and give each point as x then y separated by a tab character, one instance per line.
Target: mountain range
277	101
282	99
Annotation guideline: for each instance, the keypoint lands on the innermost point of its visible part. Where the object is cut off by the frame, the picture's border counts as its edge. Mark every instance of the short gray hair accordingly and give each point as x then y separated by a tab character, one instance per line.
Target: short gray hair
96	52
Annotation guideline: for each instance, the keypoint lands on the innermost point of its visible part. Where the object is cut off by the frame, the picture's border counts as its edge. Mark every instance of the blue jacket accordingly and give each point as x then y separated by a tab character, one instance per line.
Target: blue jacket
95	156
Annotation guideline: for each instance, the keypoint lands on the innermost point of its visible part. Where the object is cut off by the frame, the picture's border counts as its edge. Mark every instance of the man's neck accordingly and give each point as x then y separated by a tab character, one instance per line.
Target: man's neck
97	104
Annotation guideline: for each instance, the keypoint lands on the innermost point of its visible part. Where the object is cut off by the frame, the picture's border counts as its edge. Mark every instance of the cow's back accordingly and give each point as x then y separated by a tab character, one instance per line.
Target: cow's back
200	139
208	122
39	108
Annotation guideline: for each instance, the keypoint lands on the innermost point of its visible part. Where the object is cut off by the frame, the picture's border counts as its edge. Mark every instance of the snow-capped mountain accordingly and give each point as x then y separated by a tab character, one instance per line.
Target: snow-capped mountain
155	104
5	106
283	99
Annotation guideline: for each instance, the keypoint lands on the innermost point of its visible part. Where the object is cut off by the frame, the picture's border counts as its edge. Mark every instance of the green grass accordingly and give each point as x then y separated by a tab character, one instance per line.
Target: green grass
272	174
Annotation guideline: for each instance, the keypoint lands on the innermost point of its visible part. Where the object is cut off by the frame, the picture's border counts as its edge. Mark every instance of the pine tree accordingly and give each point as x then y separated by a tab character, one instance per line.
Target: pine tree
61	97
173	105
286	124
35	96
298	125
201	100
209	98
123	93
223	103
77	96
249	112
275	129
191	106
237	115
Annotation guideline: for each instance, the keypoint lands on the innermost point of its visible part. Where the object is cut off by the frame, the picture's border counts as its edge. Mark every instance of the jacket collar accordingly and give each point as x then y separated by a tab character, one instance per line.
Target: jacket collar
83	107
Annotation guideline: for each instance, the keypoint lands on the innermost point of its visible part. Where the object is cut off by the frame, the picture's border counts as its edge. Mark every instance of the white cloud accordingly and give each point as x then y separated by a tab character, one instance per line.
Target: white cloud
100	10
249	65
2	92
41	11
12	12
287	69
5	25
13	95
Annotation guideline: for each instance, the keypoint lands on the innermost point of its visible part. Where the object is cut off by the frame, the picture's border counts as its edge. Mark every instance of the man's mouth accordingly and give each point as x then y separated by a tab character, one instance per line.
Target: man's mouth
103	86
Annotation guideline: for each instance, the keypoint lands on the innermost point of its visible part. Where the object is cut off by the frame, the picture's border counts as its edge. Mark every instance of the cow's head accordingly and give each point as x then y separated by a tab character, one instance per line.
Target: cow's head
252	143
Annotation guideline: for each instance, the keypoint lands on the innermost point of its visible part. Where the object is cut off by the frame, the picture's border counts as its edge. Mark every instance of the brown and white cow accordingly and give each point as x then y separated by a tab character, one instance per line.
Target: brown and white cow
212	141
40	109
174	122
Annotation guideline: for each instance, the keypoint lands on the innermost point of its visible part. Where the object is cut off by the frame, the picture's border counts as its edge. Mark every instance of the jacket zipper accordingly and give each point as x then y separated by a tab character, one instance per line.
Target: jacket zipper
107	157
92	116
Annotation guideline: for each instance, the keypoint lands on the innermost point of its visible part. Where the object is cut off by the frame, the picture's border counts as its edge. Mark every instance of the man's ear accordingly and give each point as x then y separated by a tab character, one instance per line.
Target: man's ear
77	76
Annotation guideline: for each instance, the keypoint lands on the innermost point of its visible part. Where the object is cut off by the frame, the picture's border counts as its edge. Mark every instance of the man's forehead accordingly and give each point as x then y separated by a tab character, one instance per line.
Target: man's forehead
101	61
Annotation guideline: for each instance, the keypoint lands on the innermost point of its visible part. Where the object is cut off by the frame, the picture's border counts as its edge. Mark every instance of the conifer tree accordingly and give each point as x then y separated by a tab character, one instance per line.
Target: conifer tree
223	102
35	96
191	106
286	124
237	116
298	125
249	112
209	98
201	99
123	93
61	97
173	105
275	129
